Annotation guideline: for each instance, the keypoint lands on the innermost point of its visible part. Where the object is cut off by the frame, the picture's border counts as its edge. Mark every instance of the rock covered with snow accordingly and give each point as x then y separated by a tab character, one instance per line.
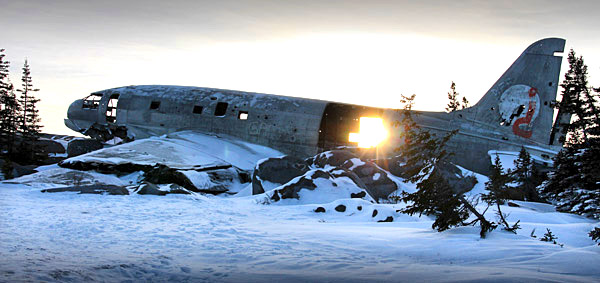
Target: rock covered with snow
451	173
455	177
334	158
91	189
316	186
278	170
151	189
374	179
377	181
334	164
213	181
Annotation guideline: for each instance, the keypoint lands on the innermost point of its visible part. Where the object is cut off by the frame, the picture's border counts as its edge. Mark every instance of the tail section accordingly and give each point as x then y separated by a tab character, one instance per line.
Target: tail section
521	100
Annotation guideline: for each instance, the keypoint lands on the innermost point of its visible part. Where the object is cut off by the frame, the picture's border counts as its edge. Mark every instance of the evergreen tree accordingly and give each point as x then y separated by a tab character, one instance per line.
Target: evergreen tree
454	103
9	109
550	237
29	120
498	192
526	176
595	235
423	155
574	185
581	101
465	103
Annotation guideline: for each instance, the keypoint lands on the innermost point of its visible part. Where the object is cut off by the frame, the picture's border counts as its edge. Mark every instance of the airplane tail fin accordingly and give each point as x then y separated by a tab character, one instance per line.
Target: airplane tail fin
522	99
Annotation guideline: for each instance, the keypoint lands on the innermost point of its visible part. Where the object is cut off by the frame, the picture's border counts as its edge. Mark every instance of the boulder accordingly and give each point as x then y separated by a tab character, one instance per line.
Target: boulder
378	183
364	174
14	169
455	178
22	170
387	219
279	170
147	188
92	189
162	174
205	181
335	158
358	195
291	189
50	146
340	208
326	180
177	189
83	146
343	172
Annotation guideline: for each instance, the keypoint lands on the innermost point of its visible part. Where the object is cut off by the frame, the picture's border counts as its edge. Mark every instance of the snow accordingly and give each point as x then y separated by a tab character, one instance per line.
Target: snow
75	237
376	176
507	158
247	238
327	190
182	150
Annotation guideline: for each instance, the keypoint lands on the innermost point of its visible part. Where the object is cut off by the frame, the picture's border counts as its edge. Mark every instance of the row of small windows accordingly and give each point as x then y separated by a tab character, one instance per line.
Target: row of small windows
220	110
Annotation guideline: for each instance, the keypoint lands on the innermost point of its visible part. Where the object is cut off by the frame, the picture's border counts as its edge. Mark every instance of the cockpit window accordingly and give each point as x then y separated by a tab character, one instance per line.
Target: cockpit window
154	105
92	101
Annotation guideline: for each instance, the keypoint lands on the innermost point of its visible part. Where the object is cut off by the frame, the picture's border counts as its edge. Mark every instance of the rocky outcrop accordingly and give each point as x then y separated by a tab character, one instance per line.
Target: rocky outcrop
334	158
455	178
204	181
335	163
83	146
370	176
279	170
161	174
325	185
49	146
291	189
92	189
15	170
152	189
212	179
377	182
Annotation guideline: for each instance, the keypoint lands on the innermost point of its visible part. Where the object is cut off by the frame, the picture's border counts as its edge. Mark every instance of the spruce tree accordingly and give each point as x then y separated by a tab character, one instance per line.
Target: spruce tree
29	120
454	103
424	154
9	109
498	192
574	185
465	103
526	176
595	235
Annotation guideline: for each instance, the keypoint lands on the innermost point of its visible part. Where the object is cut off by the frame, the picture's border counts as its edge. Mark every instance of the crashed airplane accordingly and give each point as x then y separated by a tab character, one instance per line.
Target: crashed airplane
516	112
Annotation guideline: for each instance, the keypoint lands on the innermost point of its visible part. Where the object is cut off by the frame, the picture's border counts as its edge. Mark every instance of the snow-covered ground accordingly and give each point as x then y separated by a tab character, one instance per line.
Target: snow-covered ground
243	238
76	237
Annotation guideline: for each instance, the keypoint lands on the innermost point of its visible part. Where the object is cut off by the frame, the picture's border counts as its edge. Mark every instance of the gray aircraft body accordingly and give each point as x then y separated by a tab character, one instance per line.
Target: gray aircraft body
516	112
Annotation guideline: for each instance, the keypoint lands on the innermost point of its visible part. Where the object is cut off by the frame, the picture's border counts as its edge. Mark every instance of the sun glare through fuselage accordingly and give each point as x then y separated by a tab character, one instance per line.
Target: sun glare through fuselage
372	133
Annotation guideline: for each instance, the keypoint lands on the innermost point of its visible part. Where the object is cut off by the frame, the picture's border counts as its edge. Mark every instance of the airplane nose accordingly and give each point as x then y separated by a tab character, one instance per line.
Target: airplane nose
72	115
74	108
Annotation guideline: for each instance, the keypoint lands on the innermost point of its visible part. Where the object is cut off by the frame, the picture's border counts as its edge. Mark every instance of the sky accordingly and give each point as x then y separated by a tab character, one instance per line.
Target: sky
354	51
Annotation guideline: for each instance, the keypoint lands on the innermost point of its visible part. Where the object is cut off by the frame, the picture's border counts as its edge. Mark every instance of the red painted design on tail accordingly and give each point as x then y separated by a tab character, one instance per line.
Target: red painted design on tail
527	119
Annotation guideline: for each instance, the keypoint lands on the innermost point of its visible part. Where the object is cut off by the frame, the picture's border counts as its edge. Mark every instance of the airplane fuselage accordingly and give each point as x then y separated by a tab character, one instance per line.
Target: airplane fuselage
516	112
